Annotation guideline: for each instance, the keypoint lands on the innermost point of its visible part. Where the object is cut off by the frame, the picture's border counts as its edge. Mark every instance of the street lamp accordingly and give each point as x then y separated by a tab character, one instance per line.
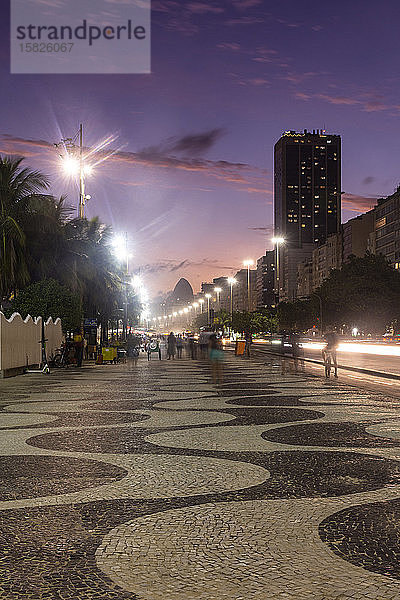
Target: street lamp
121	252
277	241
201	302
218	291
208	296
195	306
248	263
231	281
74	164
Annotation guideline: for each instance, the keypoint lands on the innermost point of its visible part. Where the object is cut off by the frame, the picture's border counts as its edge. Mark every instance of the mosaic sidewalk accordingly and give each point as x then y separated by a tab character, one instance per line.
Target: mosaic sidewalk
151	483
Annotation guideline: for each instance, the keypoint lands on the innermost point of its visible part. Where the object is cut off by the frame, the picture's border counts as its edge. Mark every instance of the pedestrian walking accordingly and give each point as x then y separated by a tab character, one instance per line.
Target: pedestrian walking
248	341
179	346
171	346
78	342
216	355
192	347
132	356
203	344
294	341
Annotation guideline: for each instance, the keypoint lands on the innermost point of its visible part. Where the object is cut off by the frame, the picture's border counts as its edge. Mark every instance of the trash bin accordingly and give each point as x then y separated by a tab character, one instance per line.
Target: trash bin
240	347
109	353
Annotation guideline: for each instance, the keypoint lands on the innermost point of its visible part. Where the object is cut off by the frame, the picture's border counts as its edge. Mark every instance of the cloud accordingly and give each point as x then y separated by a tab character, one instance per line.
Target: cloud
245	4
229	46
356	203
242	175
196	143
201	8
362	100
267	229
173	265
244	21
368	180
300	77
376	106
338	99
244	81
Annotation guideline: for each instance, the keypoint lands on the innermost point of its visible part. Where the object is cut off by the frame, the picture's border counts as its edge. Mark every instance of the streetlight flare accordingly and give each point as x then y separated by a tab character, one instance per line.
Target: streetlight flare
248	263
278	240
70	165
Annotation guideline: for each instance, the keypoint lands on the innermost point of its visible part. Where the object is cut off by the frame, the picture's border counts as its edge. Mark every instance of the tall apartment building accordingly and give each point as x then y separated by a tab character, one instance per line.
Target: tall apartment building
325	258
356	238
265	280
223	297
240	297
307	198
387	228
357	234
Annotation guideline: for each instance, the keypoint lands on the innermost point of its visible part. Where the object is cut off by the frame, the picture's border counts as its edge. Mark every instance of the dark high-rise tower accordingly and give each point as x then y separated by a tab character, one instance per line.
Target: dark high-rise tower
307	187
307	201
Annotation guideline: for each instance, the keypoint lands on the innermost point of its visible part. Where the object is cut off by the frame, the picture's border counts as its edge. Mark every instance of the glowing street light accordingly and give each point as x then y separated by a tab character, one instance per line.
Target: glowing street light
70	165
121	252
201	302
208	296
195	306
248	263
74	165
218	291
278	241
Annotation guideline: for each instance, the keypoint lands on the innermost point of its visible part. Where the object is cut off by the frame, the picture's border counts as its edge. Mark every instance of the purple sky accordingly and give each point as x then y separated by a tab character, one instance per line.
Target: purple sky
192	182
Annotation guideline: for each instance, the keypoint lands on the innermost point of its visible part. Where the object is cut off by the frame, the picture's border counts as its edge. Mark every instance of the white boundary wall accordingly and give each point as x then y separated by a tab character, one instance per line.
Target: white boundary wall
20	341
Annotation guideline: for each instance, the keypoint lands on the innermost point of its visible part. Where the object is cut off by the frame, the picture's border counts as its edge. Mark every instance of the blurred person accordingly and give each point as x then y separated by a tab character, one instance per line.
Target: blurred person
171	346
216	355
248	338
179	346
332	342
192	347
294	341
78	343
203	344
132	355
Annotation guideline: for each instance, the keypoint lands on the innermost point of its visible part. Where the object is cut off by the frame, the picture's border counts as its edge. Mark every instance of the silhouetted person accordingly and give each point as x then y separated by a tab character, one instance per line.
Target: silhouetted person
171	346
216	355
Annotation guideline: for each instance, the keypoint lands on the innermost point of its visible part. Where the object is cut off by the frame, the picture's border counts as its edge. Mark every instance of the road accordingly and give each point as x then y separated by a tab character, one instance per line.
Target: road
384	364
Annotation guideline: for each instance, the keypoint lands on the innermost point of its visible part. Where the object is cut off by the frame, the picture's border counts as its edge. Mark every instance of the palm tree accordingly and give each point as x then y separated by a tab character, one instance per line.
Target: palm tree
20	189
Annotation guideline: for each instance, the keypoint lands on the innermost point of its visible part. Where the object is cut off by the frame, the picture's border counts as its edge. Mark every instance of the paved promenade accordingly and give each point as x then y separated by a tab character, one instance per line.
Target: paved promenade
151	483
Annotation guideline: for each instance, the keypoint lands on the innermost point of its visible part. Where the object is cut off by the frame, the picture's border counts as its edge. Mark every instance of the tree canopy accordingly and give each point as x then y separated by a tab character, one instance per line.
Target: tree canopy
364	293
48	298
41	241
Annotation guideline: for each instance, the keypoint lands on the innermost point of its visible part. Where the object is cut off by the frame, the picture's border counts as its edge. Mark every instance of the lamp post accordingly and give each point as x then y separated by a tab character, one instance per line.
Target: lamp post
74	163
208	296
201	302
248	263
218	291
231	281
277	241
